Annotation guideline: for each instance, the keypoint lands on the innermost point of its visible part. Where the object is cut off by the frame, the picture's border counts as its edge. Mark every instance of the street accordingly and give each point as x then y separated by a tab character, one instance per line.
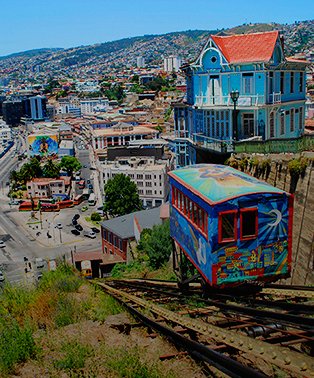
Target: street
25	237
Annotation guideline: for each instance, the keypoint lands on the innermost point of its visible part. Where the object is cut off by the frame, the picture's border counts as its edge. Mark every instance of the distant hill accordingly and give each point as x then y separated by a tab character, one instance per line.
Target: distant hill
31	53
102	58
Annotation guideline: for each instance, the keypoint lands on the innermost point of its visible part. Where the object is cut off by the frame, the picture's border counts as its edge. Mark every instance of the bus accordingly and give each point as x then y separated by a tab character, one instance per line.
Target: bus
78	199
85	194
65	204
81	184
49	207
92	199
26	206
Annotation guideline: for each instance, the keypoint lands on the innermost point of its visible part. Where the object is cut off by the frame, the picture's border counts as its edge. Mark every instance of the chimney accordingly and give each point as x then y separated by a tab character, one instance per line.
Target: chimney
282	43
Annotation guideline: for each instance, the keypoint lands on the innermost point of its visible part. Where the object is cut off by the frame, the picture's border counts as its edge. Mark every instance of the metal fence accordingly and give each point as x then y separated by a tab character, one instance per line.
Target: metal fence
275	146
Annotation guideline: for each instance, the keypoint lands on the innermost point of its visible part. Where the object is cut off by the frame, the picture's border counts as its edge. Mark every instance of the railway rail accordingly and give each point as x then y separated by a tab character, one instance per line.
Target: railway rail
279	336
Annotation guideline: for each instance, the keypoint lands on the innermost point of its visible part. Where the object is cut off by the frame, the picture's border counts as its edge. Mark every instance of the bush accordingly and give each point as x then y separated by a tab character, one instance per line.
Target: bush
16	344
74	358
95	217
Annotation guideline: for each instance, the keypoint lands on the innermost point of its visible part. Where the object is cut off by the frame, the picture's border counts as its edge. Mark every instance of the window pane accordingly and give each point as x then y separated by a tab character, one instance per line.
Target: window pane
249	219
227	226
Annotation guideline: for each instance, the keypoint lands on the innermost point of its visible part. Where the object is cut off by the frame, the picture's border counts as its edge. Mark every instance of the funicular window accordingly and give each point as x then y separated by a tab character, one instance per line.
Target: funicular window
227	226
195	214
248	224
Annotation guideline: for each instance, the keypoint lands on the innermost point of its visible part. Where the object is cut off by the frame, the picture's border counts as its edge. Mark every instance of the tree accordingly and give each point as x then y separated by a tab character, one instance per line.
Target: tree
51	169
121	196
70	164
95	217
157	244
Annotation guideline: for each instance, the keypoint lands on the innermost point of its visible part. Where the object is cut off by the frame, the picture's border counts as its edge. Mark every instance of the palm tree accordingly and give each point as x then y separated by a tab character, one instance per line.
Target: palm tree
51	169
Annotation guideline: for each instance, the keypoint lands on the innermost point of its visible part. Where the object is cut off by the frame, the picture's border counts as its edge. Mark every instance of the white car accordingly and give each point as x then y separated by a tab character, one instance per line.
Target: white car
2	244
90	234
59	226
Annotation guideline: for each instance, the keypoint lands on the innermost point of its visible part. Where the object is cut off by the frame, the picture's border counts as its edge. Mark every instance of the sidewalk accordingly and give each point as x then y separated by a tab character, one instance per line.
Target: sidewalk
97	190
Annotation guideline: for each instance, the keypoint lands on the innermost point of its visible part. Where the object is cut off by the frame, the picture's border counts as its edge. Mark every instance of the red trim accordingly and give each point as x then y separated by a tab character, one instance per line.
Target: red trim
192	216
290	229
256	223
220	240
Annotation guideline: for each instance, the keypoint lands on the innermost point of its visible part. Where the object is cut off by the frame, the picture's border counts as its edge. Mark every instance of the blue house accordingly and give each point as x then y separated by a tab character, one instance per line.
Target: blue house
271	102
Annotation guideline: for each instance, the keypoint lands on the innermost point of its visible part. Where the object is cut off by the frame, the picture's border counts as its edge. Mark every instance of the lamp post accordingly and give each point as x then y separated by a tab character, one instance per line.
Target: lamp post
234	97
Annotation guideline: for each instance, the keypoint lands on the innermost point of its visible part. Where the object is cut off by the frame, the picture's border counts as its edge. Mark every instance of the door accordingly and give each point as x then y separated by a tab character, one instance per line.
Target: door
247	125
214	90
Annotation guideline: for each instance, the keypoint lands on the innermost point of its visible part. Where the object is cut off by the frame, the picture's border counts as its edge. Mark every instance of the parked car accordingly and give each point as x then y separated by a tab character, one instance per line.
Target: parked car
40	263
88	181
59	226
96	230
90	186
1	276
74	222
14	202
79	227
75	232
92	168
90	234
76	216
2	244
84	208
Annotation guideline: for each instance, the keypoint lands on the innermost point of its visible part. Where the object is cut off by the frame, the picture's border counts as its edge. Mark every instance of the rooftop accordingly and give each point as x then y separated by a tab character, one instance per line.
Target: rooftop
218	183
131	130
255	47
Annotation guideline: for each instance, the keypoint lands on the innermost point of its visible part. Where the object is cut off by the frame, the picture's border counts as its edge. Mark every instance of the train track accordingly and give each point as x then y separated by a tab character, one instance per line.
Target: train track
227	329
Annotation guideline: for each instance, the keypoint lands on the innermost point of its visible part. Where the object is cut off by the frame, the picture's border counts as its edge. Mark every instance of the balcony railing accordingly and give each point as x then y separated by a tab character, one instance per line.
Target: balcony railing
213	144
275	98
244	100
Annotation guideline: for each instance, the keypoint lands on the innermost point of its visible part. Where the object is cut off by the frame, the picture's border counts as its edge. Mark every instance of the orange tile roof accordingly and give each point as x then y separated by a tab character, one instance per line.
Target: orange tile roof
256	47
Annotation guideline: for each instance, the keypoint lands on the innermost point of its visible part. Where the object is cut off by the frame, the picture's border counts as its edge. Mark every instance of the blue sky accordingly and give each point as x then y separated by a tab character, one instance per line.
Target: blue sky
26	25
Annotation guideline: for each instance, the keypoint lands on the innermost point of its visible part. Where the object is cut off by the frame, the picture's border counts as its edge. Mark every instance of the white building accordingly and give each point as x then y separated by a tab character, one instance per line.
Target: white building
149	174
92	105
87	86
5	133
172	63
140	62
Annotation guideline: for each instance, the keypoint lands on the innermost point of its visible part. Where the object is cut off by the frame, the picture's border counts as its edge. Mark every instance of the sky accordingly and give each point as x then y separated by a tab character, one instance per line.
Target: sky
30	24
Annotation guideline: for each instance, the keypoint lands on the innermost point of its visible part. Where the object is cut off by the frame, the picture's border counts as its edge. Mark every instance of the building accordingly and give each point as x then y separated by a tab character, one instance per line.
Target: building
172	63
92	105
5	134
148	173
271	100
38	107
42	144
66	148
65	132
140	61
120	135
47	187
119	235
12	112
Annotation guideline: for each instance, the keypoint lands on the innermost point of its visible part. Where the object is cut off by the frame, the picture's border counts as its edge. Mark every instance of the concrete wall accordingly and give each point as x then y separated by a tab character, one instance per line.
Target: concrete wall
303	222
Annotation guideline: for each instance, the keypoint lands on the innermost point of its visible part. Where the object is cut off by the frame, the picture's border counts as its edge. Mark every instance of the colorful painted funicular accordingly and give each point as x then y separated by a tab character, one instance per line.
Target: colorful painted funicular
232	227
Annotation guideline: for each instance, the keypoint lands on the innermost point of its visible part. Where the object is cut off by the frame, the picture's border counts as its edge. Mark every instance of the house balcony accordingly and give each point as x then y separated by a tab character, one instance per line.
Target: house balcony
243	101
274	98
217	145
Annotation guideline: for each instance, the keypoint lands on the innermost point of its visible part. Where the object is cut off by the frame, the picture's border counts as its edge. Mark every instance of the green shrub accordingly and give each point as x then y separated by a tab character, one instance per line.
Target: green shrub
298	166
95	217
16	344
105	306
74	358
128	362
66	311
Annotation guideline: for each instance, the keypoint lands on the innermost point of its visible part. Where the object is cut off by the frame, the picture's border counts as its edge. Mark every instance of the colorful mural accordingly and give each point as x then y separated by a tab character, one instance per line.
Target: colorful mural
42	145
220	182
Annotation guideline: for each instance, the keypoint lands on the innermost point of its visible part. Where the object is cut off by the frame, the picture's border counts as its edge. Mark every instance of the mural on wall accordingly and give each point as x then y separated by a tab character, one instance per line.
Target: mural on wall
43	145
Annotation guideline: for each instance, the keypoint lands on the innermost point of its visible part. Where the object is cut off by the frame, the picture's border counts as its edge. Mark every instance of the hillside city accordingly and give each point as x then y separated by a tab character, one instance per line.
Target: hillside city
97	149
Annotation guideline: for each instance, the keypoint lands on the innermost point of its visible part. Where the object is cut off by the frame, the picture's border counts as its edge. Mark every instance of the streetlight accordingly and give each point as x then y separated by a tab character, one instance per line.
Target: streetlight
234	97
